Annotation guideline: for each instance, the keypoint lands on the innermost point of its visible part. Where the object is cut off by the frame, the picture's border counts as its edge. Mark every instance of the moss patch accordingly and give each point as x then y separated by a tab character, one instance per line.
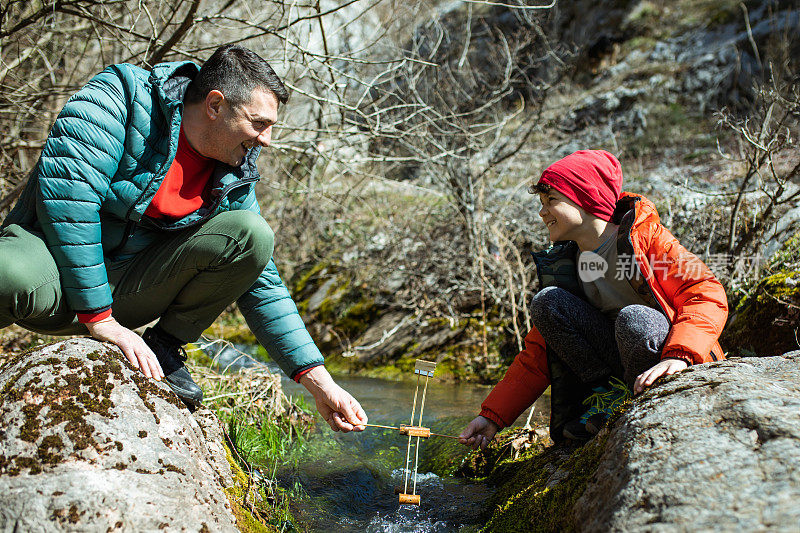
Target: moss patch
301	281
67	516
444	456
525	502
196	356
537	484
230	326
59	401
66	400
766	322
251	517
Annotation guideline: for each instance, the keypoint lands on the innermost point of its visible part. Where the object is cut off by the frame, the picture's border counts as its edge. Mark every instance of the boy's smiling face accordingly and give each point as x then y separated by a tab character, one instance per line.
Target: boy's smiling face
563	218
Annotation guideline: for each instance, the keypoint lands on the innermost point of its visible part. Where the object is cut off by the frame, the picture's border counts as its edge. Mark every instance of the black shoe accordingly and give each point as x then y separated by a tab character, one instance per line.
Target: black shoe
576	430
596	422
170	355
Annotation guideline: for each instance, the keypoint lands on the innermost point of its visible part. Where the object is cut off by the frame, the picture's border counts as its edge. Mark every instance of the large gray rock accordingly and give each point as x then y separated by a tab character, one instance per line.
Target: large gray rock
715	448
88	444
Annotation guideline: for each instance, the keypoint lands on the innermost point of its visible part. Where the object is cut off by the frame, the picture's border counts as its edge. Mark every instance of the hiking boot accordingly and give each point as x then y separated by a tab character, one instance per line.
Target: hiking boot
605	400
171	355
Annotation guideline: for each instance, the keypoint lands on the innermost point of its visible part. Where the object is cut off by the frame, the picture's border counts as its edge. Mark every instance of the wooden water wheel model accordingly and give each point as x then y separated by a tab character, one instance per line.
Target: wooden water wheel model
415	431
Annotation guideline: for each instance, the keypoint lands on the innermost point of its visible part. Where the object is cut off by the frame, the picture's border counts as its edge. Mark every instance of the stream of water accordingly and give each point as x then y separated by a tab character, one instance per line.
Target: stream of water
349	479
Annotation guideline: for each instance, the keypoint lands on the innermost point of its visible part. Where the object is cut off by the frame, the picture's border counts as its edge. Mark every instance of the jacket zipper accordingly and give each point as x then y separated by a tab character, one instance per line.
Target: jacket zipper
214	206
130	225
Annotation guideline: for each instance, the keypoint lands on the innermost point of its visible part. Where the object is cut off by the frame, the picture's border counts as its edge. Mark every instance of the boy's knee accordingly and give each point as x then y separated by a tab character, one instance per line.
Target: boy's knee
546	300
549	295
634	318
638	324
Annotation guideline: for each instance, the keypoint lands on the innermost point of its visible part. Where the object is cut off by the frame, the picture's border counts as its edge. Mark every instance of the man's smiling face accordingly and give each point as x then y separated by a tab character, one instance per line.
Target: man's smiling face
237	129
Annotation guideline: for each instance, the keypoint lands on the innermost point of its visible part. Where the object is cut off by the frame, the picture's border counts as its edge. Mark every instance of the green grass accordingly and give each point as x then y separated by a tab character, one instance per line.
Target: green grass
267	442
257	448
265	431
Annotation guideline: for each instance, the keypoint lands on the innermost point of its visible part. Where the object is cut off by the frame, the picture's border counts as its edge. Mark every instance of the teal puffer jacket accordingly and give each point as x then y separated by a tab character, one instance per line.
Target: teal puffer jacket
101	165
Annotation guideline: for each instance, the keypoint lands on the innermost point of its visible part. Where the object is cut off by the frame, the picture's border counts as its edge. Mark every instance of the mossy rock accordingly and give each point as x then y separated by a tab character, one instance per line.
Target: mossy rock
538	484
538	489
231	326
300	281
197	356
246	522
766	322
255	511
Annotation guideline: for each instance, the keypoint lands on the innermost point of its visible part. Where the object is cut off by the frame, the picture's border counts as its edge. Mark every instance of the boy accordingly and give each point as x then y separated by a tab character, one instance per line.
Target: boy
620	299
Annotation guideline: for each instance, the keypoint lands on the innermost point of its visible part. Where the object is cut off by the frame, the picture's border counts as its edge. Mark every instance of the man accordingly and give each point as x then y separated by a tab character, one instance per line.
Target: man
142	206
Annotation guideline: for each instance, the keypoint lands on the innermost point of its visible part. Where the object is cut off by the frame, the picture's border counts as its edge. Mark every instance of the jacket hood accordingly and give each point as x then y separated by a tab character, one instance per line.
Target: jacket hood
174	78
164	71
644	211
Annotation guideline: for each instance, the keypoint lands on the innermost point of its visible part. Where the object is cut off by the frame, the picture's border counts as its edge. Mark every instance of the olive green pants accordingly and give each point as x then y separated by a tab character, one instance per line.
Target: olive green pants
186	278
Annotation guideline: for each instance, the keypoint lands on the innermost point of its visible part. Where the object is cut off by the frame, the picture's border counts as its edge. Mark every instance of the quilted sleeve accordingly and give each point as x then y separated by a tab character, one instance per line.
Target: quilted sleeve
79	158
273	318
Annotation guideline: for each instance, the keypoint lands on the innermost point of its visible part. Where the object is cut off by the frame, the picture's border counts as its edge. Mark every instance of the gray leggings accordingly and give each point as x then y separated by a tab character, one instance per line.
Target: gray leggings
592	345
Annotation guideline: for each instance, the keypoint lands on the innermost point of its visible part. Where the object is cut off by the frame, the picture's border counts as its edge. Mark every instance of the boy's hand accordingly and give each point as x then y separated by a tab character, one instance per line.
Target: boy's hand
478	433
665	367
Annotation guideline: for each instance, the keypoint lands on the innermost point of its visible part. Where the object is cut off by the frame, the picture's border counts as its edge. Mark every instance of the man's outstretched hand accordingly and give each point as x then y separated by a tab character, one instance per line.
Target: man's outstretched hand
132	345
339	409
478	433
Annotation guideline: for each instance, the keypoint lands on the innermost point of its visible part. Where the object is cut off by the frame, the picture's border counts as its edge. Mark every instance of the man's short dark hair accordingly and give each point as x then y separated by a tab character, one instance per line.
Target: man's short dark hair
539	188
235	71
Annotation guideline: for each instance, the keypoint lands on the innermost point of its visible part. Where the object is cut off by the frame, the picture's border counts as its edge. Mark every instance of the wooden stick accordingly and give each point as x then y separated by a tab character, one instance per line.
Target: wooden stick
416	447
408	448
411	499
441	435
379	426
394	427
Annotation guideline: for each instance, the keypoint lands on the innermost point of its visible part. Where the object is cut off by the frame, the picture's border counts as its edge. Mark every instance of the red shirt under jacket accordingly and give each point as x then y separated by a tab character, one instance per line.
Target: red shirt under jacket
183	190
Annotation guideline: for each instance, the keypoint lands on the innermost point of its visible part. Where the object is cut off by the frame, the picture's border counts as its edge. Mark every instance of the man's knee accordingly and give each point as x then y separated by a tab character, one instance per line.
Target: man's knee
18	277
254	235
260	238
26	289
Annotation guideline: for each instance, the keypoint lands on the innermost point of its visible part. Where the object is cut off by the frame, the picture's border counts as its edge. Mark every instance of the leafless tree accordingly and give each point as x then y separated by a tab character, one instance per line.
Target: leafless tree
382	91
764	151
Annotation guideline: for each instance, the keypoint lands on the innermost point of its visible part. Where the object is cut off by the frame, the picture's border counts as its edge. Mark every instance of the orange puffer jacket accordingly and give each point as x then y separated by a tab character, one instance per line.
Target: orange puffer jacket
680	285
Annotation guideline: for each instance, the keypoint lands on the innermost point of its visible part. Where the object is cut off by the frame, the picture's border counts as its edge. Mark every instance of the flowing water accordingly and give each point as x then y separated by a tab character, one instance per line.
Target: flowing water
349	480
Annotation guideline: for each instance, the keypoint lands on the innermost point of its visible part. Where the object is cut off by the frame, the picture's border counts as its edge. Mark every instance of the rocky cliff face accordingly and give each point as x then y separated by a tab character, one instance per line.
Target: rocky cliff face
715	448
88	443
